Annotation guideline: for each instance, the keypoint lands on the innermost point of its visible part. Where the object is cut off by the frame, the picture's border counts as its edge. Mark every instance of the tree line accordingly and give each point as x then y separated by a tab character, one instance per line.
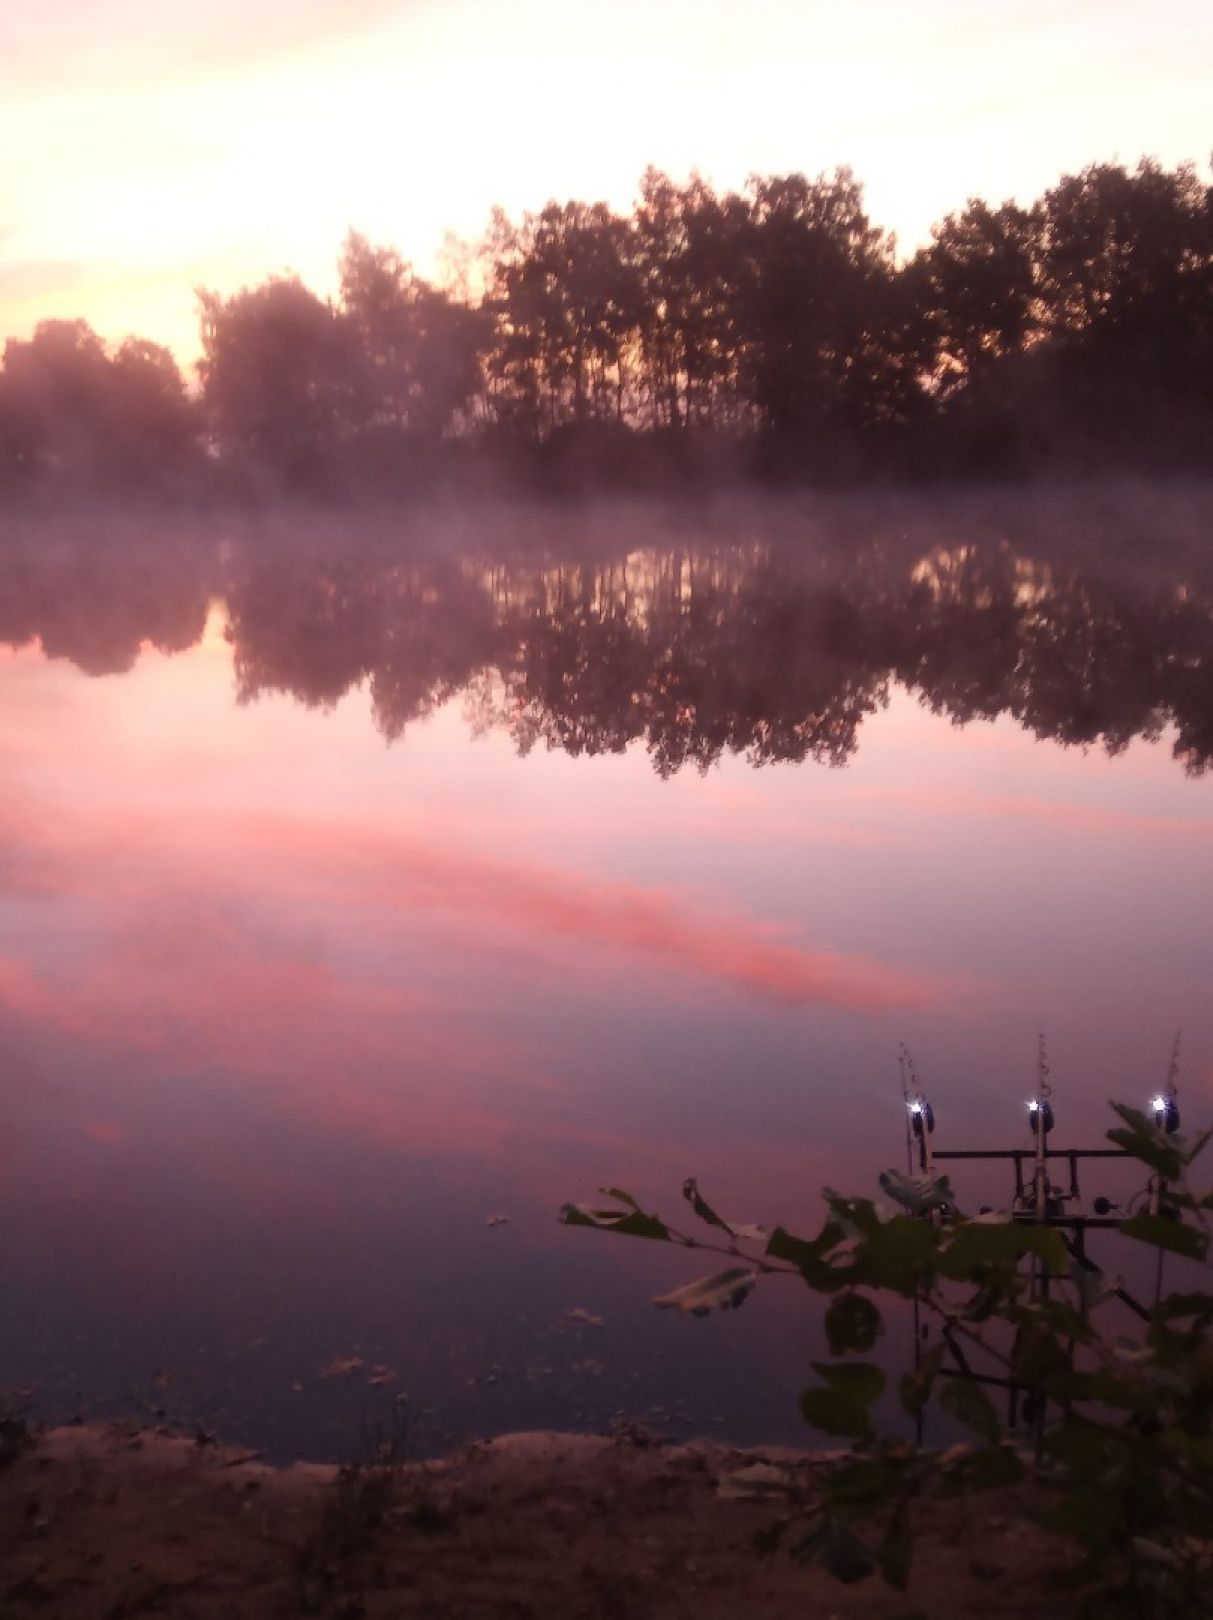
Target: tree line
771	332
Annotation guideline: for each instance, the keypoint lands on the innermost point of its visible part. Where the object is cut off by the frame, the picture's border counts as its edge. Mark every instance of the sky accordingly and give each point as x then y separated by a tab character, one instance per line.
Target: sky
153	148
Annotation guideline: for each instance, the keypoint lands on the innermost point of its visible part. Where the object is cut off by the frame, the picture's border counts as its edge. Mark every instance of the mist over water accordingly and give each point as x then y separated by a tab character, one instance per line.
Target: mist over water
364	881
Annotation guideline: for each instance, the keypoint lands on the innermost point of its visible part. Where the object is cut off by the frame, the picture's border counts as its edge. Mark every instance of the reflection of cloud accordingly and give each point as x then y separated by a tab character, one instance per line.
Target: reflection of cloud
276	956
633	921
404	874
105	1132
1079	818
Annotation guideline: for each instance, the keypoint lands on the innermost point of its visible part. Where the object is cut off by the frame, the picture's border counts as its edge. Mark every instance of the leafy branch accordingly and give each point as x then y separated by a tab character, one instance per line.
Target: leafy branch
1123	1425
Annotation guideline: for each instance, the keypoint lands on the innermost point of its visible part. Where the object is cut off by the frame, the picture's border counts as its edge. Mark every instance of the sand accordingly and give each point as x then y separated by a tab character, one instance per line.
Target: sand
106	1523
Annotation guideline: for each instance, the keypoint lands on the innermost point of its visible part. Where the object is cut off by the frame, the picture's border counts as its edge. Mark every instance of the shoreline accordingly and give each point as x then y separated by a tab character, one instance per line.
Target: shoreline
105	1523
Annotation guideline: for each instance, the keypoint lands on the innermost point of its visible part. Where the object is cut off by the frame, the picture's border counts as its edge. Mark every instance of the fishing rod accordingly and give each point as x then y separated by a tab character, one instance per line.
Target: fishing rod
1166	1117
1036	1201
920	1126
920	1116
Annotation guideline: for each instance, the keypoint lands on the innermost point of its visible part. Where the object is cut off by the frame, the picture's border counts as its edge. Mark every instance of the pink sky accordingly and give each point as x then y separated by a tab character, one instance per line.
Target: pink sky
155	148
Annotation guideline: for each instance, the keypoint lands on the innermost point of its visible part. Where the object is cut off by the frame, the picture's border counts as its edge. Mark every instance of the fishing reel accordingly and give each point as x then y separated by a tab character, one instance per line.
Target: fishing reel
1040	1115
1166	1112
922	1117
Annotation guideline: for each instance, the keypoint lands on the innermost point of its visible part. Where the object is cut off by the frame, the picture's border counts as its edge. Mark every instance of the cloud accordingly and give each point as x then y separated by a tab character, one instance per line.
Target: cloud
124	42
42	278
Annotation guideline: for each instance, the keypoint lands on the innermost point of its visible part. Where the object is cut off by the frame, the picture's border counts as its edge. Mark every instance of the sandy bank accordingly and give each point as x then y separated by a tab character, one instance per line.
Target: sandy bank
98	1524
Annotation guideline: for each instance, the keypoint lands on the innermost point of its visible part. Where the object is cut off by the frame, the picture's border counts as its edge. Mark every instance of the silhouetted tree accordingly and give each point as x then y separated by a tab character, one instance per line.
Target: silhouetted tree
55	386
814	307
1126	267
279	372
692	247
564	290
419	350
771	329
72	413
977	284
155	423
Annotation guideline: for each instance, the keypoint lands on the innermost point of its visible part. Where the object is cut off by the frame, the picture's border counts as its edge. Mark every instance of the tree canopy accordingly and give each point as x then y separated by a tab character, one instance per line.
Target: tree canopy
771	331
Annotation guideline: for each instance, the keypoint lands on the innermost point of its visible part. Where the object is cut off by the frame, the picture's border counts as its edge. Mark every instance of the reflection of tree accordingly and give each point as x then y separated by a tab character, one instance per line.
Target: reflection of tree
97	601
755	651
1079	658
415	634
712	660
761	650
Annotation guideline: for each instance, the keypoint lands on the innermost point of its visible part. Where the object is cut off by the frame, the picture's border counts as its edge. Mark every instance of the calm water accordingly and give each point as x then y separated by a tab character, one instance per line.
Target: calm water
359	890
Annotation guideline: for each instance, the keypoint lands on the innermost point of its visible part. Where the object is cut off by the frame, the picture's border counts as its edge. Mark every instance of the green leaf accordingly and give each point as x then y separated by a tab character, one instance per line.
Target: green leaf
987	1469
768	1539
896	1550
1093	1516
977	1244
1038	1357
811	1257
918	1194
916	1386
1106	1386
854	1488
861	1379
1091	1284
724	1291
969	1404
1192	1149
621	1195
1052	1315
842	1406
1087	1451
845	1556
852	1323
1143	1140
690	1191
838	1548
1162	1233
628	1222
1182	1307
856	1216
833	1413
896	1254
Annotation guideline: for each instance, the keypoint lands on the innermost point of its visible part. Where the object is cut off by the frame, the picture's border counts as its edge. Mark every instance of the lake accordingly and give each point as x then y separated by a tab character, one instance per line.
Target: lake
368	889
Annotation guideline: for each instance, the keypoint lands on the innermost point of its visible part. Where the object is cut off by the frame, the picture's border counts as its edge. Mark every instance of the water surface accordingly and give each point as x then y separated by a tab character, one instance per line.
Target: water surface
359	889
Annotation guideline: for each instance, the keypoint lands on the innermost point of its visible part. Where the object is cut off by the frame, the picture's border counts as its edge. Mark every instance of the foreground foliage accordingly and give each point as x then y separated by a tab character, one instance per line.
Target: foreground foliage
1122	1422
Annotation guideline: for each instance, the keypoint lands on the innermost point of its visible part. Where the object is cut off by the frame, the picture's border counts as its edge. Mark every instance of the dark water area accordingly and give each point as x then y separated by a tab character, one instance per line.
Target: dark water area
367	890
